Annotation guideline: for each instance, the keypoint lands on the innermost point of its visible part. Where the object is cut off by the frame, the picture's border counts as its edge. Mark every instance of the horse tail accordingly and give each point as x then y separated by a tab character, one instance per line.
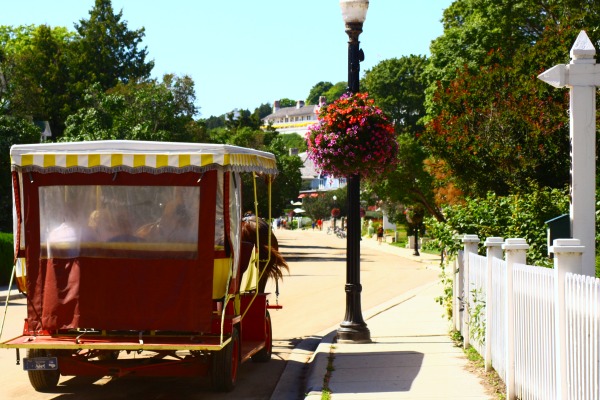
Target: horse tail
276	265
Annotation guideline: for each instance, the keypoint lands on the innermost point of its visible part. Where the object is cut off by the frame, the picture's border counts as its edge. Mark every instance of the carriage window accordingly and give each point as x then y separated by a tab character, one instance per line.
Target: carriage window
119	221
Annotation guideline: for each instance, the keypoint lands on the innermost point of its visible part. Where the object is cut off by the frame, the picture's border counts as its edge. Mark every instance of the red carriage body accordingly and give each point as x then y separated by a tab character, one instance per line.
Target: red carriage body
135	248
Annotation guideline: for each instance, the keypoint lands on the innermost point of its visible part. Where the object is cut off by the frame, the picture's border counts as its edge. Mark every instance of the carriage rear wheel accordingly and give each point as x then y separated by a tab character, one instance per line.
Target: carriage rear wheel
225	364
42	380
264	354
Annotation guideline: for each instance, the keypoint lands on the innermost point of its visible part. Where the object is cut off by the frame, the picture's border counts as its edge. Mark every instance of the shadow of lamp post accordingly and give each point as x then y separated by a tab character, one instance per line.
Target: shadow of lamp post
353	329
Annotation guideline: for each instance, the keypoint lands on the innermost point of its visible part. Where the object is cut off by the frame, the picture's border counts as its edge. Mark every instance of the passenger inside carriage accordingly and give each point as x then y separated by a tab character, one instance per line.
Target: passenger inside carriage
110	226
112	221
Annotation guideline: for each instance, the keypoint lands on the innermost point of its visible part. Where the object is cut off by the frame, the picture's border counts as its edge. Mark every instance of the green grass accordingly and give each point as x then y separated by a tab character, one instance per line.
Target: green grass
326	392
491	378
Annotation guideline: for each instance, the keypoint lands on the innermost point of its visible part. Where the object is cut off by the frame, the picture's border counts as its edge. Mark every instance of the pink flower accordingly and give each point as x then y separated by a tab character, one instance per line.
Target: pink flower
352	136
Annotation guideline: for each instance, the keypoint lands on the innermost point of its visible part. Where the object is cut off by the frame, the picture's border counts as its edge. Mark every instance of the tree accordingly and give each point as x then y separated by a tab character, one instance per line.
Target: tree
137	111
473	27
514	216
398	87
335	92
409	183
320	207
13	130
285	102
491	122
293	141
213	122
35	73
107	51
262	111
317	91
287	184
499	128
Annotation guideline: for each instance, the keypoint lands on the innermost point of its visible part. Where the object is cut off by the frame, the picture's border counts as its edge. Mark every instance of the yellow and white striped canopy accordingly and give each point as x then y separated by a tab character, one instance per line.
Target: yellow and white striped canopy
138	156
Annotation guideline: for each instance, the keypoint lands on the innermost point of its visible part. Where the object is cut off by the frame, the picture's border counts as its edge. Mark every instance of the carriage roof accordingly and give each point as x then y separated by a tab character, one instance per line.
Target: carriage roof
138	156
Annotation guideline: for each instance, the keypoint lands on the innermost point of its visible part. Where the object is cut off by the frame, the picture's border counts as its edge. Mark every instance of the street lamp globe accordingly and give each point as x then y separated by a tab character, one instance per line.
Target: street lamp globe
354	11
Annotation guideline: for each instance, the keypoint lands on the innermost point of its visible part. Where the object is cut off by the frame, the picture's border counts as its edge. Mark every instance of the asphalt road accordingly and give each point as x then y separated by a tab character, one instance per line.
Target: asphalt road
313	300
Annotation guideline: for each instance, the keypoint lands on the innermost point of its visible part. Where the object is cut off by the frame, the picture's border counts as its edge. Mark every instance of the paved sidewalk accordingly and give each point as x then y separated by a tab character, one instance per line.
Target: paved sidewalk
411	355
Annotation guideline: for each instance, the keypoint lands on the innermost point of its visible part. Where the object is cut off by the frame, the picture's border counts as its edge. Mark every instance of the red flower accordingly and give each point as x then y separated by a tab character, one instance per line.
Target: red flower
353	136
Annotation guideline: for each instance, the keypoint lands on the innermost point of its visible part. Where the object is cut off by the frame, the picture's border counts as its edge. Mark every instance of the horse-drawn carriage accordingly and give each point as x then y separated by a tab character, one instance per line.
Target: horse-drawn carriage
133	260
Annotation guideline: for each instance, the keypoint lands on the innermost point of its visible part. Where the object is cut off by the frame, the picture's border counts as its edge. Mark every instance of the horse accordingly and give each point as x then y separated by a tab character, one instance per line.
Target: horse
276	263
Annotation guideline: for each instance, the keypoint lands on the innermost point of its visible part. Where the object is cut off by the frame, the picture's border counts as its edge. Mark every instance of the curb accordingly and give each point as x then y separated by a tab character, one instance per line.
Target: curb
318	367
14	294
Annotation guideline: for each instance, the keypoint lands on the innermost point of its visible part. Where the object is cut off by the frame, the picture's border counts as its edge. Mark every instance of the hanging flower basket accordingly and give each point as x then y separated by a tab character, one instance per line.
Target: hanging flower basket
335	212
352	137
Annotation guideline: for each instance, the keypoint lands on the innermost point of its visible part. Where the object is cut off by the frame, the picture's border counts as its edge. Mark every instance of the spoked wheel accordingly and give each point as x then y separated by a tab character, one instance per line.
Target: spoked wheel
225	364
42	380
264	354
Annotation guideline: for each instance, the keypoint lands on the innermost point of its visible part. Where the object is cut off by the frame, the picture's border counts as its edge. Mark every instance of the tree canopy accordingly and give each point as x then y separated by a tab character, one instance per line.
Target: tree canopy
107	51
495	126
398	86
317	91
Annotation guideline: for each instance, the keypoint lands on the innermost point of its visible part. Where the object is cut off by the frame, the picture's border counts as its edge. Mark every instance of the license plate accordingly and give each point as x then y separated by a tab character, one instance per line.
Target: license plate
40	363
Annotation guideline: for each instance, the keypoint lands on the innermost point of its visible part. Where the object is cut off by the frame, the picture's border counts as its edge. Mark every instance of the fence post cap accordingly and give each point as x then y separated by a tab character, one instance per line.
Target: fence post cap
470	239
515	244
567	246
583	49
494	241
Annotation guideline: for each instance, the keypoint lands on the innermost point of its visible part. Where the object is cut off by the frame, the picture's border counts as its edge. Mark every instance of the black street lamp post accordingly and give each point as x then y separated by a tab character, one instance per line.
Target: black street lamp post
353	329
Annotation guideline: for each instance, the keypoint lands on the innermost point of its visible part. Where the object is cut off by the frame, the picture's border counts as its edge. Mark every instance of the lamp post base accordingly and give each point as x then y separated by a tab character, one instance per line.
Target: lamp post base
353	334
353	329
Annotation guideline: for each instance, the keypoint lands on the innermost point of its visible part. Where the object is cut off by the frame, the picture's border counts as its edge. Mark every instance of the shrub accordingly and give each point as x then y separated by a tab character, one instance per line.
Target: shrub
514	216
6	257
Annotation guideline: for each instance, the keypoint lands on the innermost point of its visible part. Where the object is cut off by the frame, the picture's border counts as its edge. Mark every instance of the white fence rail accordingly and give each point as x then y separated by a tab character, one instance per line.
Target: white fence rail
497	316
582	297
534	332
539	328
477	293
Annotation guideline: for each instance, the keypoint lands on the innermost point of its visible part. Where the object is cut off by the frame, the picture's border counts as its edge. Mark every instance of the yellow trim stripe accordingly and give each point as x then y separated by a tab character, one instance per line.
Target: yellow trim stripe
49	160
162	160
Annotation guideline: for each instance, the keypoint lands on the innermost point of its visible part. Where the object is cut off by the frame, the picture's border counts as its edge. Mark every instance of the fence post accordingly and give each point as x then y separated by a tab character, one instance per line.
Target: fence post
470	243
515	250
567	258
456	290
494	250
582	76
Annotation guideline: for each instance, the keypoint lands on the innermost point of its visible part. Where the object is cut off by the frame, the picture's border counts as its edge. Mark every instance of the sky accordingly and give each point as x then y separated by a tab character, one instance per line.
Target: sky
243	53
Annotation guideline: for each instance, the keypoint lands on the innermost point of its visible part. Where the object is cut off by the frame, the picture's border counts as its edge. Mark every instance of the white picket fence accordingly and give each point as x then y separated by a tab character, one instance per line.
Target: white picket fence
539	328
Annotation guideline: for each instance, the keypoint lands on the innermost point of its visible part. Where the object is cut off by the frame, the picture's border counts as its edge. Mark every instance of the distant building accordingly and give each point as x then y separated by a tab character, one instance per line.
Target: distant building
314	181
293	119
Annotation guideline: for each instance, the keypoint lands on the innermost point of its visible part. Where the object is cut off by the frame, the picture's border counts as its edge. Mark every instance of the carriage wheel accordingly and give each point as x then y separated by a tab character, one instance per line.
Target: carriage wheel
225	364
264	354
43	380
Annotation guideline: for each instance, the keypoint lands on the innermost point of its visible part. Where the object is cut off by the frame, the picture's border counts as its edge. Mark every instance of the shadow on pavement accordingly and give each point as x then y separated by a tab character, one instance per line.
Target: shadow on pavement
375	372
313	259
